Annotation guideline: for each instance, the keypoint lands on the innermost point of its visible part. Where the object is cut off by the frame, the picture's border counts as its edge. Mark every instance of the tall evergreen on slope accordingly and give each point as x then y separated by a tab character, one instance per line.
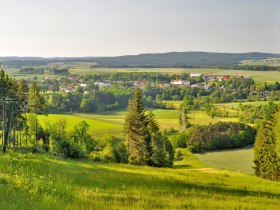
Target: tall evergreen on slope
137	133
267	149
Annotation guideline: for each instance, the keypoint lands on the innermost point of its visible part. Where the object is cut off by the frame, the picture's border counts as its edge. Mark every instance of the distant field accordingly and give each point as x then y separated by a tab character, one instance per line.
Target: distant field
83	68
236	159
258	76
267	62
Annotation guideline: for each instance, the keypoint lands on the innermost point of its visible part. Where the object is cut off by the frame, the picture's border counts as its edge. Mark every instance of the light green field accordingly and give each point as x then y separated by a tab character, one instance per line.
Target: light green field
266	62
201	118
110	122
30	182
97	127
236	159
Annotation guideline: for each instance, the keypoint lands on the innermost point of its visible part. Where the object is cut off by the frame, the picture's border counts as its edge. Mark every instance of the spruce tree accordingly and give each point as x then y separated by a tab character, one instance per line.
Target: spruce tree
136	131
267	150
158	155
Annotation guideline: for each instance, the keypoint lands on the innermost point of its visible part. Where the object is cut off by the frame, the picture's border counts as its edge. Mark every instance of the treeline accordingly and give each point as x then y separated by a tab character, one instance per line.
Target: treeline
135	76
255	114
44	70
194	66
221	135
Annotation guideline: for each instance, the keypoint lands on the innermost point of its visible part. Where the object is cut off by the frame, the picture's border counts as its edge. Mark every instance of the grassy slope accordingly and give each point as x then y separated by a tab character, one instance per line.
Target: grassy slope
43	182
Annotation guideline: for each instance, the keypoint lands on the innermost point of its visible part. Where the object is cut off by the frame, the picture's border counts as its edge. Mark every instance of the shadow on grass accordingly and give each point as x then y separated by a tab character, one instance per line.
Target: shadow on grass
112	176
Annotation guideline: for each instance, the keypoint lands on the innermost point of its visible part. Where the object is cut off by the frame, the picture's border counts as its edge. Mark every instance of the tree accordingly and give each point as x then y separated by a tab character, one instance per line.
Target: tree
84	140
183	117
36	102
267	149
158	152
146	144
136	131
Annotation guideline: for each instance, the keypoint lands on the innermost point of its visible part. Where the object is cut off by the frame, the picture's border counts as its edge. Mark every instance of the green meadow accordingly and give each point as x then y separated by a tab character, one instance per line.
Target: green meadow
235	159
40	181
112	122
109	122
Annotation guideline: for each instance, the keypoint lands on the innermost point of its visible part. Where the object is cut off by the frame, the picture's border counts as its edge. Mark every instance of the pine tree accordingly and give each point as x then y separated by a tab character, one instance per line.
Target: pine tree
158	155
136	131
267	150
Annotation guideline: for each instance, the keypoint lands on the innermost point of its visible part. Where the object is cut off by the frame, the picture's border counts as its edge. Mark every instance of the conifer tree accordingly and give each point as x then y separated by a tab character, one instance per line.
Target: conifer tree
267	150
158	155
136	131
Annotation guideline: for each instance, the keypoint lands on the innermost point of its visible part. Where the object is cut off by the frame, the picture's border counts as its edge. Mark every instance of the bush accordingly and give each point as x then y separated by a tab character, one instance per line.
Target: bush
69	149
46	147
178	155
109	149
181	139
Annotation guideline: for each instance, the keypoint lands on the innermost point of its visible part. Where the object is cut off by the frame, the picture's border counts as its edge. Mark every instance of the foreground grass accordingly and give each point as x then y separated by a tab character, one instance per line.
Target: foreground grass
45	182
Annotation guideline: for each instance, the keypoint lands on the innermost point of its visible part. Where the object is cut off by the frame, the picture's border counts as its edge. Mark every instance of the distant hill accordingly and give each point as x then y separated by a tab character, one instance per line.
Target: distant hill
171	59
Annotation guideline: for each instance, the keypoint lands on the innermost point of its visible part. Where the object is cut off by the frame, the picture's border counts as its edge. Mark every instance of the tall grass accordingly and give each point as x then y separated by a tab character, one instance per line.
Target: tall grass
44	182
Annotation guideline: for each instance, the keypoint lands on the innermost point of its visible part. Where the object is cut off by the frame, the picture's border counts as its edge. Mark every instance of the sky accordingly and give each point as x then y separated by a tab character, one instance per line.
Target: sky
75	28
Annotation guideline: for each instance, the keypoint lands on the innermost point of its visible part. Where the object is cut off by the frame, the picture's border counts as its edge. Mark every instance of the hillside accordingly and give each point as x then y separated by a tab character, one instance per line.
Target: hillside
170	59
44	182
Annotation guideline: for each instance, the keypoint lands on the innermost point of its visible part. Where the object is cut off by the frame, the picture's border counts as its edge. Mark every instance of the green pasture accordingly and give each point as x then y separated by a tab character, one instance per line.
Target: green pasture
110	122
235	159
40	181
97	127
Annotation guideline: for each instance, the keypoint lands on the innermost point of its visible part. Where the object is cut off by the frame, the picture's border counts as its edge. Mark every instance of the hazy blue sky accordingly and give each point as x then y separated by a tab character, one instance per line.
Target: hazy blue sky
117	27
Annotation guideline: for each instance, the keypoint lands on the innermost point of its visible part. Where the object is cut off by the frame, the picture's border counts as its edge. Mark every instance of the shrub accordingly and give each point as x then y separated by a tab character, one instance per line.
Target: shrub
69	149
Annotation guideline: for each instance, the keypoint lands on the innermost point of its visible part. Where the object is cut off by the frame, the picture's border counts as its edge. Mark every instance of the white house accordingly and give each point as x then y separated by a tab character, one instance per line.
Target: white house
102	84
180	82
195	75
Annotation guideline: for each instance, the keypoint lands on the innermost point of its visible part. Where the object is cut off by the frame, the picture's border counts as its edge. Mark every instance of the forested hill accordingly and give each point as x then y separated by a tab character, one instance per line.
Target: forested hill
171	59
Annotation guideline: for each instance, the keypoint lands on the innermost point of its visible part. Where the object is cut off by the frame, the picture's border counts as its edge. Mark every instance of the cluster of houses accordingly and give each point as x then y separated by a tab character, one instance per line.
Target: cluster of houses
206	78
142	84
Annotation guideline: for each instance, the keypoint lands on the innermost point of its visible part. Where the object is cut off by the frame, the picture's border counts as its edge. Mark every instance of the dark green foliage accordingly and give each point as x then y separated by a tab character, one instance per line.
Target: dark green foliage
136	130
267	150
146	144
69	149
221	135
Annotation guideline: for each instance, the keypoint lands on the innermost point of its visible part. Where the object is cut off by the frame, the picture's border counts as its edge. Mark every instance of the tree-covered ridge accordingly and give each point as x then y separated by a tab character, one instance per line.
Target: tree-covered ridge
170	59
